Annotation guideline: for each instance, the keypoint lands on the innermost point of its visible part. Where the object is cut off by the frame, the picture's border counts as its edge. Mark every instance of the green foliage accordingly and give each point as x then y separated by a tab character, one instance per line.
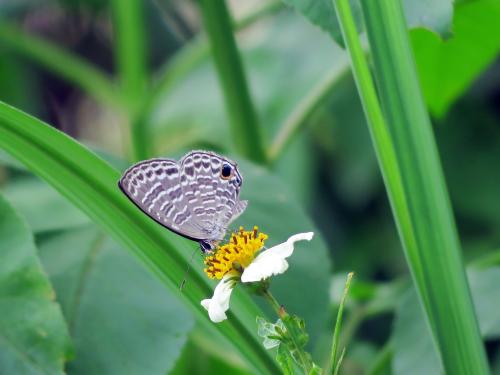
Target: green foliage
284	360
243	119
90	183
414	182
33	334
118	324
61	62
434	15
447	68
156	88
289	336
335	359
34	198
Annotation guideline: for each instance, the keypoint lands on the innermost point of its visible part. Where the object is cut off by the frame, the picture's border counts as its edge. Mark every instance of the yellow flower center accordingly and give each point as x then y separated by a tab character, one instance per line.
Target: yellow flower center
237	254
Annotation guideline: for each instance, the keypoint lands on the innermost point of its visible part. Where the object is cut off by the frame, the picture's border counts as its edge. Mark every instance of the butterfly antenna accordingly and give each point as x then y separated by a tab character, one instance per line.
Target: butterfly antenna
184	278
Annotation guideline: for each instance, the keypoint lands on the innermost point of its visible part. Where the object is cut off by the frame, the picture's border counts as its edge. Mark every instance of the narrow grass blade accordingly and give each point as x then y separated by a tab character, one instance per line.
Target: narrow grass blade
130	59
91	184
242	115
412	172
297	119
334	364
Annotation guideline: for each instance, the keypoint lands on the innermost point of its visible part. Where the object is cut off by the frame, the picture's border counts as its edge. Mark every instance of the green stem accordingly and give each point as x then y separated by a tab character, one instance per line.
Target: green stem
302	112
242	115
195	52
188	58
412	174
283	315
131	64
336	332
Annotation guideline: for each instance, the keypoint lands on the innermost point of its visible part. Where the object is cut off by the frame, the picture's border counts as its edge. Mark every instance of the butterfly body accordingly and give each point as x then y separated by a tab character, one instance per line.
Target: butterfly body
196	197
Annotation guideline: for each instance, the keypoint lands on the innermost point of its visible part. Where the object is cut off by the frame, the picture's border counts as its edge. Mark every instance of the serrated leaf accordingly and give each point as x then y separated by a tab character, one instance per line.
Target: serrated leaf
434	15
33	333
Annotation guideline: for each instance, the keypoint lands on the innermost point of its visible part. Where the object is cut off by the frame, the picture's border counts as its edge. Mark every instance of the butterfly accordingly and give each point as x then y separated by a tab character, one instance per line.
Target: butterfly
196	197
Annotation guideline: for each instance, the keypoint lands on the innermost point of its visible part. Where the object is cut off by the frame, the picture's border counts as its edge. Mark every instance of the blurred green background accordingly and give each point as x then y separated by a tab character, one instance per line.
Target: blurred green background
119	318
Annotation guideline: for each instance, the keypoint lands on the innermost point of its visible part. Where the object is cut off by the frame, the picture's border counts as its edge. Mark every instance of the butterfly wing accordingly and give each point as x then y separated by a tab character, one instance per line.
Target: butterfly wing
213	199
155	187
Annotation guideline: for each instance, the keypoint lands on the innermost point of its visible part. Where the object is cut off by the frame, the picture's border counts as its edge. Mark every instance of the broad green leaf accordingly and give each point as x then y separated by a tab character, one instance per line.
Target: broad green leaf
33	334
42	206
412	337
121	318
432	14
448	68
91	184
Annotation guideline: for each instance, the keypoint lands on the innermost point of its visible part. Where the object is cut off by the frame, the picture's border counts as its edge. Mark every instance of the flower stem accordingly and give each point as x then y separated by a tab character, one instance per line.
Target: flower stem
283	315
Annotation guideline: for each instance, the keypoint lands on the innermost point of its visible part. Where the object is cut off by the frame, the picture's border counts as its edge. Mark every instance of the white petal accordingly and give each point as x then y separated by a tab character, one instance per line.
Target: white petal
219	303
272	261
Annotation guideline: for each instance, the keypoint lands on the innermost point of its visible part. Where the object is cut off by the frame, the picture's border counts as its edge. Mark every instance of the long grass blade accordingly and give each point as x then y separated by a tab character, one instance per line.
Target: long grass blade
91	184
242	114
130	56
412	172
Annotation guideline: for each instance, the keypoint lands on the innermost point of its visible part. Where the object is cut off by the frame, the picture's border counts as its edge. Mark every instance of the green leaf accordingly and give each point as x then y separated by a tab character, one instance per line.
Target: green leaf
284	360
91	184
120	317
448	68
413	177
243	119
267	330
34	199
412	337
33	334
432	14
130	53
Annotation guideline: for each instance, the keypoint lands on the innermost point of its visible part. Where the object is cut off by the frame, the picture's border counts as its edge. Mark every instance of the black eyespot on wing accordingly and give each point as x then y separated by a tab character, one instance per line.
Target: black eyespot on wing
226	171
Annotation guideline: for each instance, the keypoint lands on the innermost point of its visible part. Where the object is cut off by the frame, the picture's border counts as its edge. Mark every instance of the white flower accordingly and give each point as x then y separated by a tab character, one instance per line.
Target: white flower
268	263
272	261
219	303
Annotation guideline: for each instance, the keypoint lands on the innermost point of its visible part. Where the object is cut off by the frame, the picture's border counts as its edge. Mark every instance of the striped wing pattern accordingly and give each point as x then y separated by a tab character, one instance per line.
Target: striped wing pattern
213	200
189	197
